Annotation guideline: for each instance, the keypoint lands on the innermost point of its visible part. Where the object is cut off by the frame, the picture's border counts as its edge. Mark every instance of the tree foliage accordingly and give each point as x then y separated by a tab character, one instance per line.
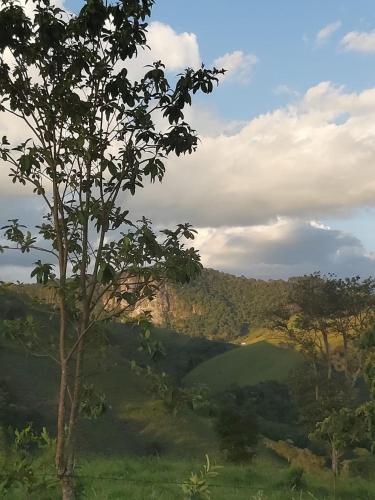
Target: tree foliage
95	136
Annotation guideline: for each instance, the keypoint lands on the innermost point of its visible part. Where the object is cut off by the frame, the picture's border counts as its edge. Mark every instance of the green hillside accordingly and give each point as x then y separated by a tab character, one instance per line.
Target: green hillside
136	422
245	365
214	305
220	305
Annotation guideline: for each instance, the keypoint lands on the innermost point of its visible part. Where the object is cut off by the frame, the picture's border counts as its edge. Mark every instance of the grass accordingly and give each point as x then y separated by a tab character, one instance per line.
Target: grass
158	478
135	424
266	478
246	365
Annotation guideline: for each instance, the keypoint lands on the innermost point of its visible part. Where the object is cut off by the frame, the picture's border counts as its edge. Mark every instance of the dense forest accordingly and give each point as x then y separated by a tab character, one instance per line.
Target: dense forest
214	304
226	306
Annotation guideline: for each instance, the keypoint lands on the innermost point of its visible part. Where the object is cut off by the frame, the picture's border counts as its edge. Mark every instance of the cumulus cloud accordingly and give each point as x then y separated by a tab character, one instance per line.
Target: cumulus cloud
312	158
280	249
286	90
176	50
284	248
239	66
325	33
357	41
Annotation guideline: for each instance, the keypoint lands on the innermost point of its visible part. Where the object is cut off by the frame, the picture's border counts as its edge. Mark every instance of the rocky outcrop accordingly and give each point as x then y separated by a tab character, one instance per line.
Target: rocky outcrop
167	307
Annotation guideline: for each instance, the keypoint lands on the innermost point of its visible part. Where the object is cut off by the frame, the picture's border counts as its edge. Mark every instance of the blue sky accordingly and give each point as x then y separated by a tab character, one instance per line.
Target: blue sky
282	34
284	180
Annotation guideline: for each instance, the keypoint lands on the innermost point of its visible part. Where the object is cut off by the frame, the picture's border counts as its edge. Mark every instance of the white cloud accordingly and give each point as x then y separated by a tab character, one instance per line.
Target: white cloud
239	65
284	89
176	50
359	42
315	157
325	33
283	248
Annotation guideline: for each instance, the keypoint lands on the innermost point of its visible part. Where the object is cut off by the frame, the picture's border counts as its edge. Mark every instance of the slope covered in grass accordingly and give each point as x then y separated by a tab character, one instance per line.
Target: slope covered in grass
245	365
136	422
147	478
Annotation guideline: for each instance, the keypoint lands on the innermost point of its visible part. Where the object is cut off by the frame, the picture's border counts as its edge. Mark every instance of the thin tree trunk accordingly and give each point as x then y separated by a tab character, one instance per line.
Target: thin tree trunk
74	411
346	355
67	488
66	481
316	381
334	461
327	349
61	414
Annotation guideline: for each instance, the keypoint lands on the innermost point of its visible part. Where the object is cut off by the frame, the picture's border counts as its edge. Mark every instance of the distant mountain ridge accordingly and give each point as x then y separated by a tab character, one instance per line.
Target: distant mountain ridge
215	305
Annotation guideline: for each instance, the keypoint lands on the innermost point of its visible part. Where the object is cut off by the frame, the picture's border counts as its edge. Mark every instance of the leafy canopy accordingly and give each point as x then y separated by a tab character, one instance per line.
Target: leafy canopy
96	134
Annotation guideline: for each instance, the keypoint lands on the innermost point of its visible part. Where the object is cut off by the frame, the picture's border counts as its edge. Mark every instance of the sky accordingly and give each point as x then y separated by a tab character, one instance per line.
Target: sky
283	182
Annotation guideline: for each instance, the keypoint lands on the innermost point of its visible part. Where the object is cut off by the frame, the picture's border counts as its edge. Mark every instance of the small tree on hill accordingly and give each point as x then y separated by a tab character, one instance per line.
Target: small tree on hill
93	141
323	307
341	430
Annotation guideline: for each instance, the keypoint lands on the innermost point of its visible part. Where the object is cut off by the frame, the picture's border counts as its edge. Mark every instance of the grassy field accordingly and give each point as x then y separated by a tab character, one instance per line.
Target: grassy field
266	478
246	365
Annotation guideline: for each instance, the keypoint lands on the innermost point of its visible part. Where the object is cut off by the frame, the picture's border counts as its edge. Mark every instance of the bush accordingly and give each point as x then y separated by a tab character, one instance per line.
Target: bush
238	431
295	479
279	431
363	466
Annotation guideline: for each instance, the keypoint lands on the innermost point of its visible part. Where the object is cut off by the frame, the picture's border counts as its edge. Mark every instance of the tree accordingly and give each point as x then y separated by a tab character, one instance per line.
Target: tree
304	382
237	426
324	307
339	430
354	314
316	307
367	409
93	141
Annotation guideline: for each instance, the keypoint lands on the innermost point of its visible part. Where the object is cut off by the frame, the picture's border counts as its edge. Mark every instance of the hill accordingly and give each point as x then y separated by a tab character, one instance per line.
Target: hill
219	305
246	365
135	423
214	305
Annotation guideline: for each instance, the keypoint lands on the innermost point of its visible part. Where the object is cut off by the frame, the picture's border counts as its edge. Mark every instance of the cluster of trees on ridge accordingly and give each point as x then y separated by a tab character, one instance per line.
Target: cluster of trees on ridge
222	306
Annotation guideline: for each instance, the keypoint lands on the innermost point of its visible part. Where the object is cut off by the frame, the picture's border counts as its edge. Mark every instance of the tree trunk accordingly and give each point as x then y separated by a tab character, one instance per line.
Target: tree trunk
67	488
346	360
61	412
316	381
327	349
74	410
335	461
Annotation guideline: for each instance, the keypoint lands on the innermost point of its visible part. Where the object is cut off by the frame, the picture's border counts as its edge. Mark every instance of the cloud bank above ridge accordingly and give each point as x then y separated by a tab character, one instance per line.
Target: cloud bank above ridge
254	186
311	159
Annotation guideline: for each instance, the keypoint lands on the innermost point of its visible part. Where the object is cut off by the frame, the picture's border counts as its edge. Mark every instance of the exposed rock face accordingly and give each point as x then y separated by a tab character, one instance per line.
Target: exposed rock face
166	307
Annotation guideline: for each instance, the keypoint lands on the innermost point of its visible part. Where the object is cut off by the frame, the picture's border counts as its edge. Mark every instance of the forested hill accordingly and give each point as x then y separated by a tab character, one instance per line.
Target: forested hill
214	305
218	305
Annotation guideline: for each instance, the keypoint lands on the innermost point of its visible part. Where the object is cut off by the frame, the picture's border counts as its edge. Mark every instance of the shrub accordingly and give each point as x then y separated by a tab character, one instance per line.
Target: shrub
363	466
196	487
238	431
295	479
